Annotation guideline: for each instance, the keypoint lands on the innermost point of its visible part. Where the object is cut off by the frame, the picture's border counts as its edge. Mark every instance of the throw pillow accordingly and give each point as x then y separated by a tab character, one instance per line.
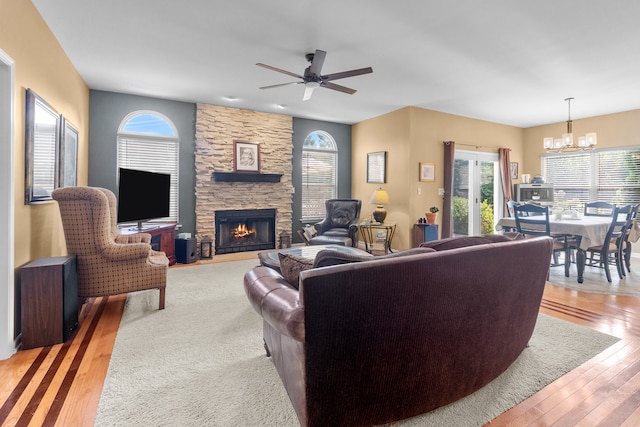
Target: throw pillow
292	265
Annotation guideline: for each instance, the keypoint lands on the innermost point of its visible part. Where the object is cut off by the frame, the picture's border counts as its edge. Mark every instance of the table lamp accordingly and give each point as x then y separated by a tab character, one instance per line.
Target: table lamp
380	198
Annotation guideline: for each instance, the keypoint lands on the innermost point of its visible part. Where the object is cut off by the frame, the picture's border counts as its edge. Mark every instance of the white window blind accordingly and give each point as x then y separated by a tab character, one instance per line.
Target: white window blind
319	174
611	176
146	150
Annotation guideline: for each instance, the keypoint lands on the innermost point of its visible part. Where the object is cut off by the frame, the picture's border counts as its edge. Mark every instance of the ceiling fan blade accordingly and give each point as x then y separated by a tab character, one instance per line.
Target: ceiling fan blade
279	85
308	91
334	86
269	67
318	60
344	74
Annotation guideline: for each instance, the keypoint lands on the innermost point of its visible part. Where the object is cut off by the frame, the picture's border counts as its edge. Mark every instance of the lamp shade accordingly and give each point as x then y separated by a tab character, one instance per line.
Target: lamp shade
379	197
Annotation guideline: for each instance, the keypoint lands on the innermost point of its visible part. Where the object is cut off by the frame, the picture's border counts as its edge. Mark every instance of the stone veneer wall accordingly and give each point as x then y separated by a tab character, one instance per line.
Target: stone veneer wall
216	130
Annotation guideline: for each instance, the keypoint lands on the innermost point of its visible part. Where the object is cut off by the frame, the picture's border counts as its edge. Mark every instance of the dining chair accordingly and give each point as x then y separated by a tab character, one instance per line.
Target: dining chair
598	209
511	206
533	221
610	251
626	250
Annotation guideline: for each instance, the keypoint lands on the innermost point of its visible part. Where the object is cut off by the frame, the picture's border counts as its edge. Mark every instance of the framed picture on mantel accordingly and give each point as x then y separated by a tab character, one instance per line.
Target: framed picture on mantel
246	157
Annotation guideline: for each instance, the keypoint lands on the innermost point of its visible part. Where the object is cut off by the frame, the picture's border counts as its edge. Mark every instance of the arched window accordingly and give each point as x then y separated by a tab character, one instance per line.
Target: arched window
149	141
319	173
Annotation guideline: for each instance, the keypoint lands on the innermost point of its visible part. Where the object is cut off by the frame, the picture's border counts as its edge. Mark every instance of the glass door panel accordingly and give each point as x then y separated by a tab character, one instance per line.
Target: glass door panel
476	193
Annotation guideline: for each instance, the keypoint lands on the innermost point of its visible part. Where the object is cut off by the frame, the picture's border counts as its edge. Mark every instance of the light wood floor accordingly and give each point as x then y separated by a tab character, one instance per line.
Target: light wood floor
61	385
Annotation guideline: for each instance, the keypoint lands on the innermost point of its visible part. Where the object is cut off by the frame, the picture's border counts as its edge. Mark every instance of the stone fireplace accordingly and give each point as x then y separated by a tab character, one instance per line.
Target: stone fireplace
245	230
216	130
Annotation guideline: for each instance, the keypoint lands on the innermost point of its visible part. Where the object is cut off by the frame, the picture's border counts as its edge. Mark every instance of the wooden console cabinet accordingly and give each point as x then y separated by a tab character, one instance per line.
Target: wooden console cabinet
162	237
49	296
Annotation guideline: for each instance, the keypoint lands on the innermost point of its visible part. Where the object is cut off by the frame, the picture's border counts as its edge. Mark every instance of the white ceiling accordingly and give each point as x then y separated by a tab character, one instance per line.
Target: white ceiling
506	61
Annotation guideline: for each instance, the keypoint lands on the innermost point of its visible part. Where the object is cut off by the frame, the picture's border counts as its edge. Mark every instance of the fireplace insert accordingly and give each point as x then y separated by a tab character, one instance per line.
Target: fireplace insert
245	230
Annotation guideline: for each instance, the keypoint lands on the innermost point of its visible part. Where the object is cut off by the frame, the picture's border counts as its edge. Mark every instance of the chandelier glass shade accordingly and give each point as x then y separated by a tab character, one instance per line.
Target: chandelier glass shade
566	142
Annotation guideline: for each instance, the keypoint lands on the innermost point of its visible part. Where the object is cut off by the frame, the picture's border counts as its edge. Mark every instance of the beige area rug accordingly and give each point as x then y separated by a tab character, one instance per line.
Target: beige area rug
200	362
595	279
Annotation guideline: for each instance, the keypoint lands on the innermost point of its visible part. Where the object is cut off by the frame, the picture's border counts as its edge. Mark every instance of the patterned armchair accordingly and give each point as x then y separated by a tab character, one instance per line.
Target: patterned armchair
108	263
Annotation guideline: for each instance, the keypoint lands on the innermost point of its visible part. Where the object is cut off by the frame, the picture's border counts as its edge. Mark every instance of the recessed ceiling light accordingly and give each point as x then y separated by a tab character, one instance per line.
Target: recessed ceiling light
230	98
281	106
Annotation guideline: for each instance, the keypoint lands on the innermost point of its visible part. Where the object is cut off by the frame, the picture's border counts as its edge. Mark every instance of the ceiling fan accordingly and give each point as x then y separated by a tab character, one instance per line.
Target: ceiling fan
312	77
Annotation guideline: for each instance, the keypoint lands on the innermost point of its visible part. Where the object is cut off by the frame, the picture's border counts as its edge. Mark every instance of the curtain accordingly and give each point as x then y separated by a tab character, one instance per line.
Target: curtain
507	185
447	214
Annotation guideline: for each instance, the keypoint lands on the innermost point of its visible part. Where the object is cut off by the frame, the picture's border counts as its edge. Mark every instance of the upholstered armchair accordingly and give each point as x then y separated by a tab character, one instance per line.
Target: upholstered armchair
108	264
340	224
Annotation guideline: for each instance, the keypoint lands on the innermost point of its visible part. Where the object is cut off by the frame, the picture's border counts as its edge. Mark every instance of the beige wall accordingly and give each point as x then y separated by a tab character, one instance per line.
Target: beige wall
42	65
412	135
614	130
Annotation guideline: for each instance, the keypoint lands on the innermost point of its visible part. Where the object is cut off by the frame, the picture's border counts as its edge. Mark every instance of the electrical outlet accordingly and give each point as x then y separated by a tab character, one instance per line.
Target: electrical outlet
440	191
419	191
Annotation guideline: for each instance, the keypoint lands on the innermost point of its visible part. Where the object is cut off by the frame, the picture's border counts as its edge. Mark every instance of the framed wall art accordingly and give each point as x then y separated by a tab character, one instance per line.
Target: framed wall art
42	135
377	167
246	156
427	172
514	170
67	169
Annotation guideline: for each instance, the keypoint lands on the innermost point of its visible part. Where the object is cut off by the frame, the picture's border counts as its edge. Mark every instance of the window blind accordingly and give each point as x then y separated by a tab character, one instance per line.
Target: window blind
611	176
319	182
153	155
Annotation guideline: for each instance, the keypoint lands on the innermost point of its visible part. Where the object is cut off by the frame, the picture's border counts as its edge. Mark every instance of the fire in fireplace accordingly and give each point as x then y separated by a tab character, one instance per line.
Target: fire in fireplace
244	230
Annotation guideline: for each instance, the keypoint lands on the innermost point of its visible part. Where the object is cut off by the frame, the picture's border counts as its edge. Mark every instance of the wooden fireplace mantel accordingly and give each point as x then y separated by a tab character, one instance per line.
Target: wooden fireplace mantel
246	177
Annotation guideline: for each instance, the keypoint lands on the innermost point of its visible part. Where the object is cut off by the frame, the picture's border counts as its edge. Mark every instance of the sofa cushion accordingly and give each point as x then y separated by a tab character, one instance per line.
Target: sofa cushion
327	257
460	242
292	265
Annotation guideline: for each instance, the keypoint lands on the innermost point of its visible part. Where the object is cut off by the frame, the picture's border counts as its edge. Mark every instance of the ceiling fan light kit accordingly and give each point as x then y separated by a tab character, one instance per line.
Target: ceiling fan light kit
312	77
566	143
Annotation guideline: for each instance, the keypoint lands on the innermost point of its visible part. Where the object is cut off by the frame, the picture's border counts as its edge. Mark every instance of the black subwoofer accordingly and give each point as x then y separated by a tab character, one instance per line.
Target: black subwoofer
186	252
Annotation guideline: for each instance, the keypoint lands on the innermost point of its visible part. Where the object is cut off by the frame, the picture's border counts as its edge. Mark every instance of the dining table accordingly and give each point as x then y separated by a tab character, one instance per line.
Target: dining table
588	230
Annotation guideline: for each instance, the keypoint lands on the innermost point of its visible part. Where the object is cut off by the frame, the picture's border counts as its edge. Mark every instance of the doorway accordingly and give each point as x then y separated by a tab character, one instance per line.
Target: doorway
477	197
7	346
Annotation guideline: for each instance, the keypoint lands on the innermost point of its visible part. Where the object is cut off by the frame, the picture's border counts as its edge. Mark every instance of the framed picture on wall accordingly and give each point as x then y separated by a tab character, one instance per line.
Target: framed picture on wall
67	169
514	170
246	156
427	172
377	167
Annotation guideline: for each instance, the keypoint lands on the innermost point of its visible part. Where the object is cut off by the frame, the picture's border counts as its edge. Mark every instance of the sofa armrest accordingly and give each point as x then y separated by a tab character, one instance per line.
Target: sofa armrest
276	301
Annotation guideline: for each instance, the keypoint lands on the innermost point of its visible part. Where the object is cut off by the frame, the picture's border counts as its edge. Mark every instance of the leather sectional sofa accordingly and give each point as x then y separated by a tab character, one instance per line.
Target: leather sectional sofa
381	339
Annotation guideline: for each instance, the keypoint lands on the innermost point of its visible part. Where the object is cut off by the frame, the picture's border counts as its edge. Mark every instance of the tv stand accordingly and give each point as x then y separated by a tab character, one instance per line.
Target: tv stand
162	237
142	228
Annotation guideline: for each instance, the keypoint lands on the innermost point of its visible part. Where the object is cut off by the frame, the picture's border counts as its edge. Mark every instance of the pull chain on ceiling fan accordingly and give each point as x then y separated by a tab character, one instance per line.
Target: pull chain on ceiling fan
312	77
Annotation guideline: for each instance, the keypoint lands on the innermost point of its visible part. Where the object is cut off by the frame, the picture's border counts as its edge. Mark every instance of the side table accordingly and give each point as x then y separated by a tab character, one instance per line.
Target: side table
423	232
377	233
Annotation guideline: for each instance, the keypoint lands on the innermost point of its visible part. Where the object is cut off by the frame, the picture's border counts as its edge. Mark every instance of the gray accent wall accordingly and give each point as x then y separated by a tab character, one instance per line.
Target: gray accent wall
107	110
342	135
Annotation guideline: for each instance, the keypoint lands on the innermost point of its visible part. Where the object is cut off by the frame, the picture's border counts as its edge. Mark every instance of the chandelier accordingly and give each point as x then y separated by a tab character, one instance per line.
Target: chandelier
558	145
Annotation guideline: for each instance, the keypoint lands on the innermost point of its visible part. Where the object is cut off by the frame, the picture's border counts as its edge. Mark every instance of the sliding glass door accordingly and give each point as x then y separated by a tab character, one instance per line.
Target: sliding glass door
477	197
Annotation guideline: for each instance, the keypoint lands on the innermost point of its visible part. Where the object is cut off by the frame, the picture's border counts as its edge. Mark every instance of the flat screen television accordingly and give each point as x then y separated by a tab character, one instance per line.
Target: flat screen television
142	196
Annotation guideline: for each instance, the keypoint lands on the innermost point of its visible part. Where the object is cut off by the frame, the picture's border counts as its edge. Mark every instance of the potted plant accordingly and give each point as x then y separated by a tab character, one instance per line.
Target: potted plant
432	215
